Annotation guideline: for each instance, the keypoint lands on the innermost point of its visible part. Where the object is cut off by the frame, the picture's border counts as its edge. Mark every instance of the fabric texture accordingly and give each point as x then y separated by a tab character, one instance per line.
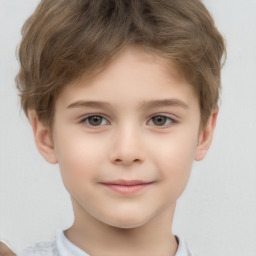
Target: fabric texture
61	246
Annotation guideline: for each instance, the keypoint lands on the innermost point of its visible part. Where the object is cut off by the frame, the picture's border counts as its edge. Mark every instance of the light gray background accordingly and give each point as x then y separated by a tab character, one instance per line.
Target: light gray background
216	214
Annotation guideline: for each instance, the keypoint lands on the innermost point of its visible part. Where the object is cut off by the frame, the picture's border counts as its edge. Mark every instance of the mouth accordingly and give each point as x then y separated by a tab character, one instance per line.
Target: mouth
126	182
126	186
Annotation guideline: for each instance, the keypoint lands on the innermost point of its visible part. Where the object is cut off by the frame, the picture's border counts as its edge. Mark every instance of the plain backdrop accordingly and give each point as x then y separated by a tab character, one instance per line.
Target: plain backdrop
216	214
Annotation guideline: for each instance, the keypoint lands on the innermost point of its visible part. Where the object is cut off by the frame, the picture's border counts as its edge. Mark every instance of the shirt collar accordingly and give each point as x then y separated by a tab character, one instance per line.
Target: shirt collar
182	248
67	248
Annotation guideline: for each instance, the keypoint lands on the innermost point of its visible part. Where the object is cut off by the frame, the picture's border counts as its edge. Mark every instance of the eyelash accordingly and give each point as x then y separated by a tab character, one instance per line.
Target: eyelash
85	120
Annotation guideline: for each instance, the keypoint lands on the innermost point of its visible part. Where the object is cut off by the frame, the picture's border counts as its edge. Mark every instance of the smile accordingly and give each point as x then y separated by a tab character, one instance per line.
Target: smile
123	188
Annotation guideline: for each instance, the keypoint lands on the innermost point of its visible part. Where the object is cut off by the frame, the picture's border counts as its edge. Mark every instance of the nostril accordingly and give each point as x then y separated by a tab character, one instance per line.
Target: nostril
127	161
125	158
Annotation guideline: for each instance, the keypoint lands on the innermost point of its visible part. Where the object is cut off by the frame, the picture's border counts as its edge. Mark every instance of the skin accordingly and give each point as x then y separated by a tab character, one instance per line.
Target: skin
126	140
5	250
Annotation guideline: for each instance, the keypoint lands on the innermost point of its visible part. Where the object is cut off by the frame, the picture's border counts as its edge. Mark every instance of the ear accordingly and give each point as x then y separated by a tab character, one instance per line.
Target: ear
205	136
43	138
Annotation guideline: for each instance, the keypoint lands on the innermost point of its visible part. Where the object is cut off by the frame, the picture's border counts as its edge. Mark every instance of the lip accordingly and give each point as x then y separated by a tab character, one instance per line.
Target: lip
126	187
126	182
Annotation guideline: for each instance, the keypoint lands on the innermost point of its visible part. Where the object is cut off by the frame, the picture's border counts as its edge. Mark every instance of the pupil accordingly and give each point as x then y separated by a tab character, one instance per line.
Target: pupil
159	120
95	120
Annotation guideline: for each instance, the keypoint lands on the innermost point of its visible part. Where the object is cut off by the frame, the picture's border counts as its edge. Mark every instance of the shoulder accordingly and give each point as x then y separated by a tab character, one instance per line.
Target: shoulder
47	248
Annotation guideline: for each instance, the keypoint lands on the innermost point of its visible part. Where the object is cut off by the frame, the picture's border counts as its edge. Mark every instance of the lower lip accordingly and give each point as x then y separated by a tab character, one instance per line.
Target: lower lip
125	190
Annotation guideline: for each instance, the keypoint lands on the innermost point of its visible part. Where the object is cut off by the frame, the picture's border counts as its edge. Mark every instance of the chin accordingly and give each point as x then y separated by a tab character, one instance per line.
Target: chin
127	221
125	225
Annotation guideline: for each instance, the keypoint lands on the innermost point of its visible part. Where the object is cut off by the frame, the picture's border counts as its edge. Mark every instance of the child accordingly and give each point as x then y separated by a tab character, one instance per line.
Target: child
123	95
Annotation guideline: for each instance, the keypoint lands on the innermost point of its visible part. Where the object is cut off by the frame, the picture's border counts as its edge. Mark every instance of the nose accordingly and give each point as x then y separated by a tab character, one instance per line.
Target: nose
127	147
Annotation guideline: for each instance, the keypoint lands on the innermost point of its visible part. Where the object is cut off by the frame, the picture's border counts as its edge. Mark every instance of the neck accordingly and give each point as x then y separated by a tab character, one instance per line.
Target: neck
152	238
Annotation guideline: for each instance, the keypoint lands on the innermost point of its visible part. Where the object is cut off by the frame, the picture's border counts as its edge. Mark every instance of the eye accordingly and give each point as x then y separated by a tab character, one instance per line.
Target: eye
94	120
160	120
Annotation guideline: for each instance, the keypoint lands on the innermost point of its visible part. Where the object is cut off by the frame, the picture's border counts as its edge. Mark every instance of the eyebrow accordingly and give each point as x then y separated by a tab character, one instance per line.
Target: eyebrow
144	105
165	102
83	103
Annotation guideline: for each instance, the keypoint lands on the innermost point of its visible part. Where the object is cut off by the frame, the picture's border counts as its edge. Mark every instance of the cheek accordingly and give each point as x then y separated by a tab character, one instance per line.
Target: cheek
79	156
175	159
177	150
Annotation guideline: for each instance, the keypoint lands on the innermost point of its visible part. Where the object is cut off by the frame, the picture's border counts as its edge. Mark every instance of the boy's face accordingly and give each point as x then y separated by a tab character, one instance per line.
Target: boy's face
143	125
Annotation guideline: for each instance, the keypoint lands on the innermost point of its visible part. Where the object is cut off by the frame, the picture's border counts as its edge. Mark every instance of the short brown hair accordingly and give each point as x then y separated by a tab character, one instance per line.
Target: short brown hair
64	39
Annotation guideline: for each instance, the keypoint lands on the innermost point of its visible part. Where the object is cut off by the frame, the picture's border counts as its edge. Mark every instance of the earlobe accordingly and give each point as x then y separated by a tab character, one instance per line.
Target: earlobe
43	138
205	136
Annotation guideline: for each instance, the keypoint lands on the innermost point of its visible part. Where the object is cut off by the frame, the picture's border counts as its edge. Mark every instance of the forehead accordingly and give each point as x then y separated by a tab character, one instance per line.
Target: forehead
133	75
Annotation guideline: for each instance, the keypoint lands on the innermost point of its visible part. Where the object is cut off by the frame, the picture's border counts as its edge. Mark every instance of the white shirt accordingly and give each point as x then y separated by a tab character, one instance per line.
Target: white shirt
61	246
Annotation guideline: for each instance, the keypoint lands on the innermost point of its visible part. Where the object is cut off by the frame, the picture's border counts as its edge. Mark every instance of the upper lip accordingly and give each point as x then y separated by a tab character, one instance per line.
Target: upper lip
126	182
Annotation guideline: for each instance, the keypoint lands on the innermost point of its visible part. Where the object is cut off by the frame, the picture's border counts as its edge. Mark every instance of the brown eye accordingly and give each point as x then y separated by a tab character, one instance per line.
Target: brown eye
161	121
95	120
